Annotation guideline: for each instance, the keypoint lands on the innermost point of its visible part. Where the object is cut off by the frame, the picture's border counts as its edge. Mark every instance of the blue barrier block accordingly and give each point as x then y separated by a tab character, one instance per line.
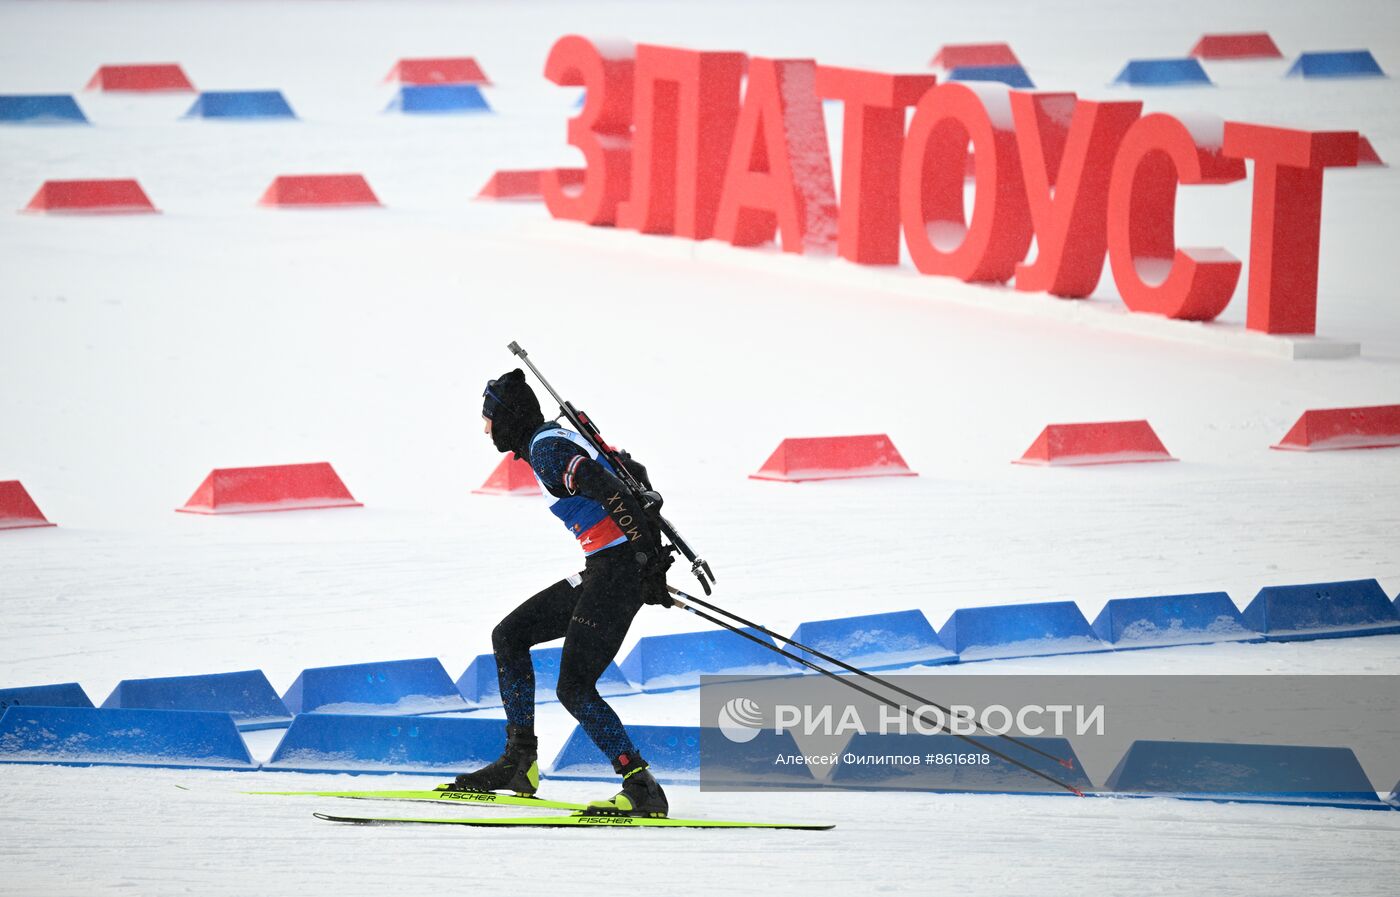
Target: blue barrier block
962	766
1019	630
439	99
39	109
393	686
669	662
246	695
241	104
1012	75
481	687
1163	73
1394	799
1343	64
1322	610
67	694
1256	773
86	736
875	641
1199	619
678	754
331	742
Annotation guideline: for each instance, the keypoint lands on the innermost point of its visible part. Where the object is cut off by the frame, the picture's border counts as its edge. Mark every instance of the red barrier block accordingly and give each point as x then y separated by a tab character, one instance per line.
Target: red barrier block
439	70
1330	429
1366	153
526	184
141	78
319	190
1115	442
281	487
779	177
511	477
1249	45
833	458
952	56
17	509
106	197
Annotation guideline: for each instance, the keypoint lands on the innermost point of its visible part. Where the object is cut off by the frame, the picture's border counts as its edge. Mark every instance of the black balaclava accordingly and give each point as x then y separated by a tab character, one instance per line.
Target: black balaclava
514	412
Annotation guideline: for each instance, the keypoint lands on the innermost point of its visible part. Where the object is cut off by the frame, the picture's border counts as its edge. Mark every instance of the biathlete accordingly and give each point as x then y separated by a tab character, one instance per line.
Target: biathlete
625	567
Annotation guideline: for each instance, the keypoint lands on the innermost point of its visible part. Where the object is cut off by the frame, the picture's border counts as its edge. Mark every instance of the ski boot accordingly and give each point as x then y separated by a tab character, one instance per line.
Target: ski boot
641	794
515	770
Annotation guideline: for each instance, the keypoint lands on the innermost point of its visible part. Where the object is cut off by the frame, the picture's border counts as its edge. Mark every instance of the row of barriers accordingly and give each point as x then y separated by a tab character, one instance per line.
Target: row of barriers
663	663
453	84
126	196
428	86
443	746
468	99
249	105
286	487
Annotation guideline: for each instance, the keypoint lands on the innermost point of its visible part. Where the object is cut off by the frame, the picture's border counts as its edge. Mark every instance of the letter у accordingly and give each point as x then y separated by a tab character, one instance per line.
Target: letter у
1068	145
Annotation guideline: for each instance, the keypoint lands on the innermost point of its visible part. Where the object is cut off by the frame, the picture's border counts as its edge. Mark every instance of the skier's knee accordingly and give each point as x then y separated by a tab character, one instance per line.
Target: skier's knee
572	694
504	637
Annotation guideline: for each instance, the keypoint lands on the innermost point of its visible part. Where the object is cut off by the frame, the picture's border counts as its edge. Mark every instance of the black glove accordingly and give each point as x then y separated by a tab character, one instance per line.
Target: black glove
654	578
636	468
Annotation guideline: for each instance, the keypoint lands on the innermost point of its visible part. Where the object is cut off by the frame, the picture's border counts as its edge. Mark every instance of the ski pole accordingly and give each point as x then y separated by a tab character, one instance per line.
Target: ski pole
918	715
859	672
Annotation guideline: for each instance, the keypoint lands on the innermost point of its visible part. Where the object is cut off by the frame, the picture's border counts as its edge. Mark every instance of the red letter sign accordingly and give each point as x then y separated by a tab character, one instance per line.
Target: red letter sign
940	239
779	175
1152	274
1287	219
872	139
686	104
1070	226
601	130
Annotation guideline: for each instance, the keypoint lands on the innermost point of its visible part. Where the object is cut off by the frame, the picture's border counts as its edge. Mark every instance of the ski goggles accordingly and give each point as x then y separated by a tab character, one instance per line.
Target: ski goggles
494	401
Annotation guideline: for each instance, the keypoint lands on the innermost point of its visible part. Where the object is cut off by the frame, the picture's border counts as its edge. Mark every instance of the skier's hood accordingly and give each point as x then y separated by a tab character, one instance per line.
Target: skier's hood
510	404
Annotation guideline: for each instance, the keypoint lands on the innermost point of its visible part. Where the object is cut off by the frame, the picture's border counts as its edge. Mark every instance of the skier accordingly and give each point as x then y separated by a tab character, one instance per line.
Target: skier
624	568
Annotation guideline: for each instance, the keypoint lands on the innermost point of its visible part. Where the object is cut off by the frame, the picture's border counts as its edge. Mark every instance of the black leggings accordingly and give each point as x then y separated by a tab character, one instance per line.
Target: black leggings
593	615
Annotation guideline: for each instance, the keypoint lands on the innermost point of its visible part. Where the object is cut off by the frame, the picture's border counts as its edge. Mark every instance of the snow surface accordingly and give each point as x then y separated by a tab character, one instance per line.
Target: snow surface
138	353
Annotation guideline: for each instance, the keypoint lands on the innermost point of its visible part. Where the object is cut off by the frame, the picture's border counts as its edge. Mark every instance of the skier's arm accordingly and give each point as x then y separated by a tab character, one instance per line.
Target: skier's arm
590	478
587	477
